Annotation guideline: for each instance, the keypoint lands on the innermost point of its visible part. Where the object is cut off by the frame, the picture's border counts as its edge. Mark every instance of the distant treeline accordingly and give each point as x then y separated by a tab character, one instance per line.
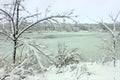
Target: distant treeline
68	27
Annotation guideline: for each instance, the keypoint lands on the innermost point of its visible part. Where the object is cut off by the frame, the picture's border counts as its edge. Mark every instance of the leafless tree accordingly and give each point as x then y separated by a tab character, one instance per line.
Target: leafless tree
12	15
113	42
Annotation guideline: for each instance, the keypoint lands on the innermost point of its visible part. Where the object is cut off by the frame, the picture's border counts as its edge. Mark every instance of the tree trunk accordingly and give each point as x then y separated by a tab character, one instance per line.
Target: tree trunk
15	50
114	61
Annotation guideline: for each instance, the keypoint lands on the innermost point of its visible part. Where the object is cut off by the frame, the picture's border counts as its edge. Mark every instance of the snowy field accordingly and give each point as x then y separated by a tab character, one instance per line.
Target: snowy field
81	71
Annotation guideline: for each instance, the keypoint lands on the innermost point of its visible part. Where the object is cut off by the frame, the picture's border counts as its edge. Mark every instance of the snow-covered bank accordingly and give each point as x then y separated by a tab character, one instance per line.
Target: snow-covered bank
81	71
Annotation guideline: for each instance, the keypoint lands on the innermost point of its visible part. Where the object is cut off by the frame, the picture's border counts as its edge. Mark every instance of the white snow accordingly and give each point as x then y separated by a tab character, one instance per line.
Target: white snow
81	71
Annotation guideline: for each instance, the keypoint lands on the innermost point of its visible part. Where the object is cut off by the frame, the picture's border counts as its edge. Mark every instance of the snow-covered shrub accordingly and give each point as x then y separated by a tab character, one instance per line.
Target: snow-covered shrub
38	55
13	71
29	63
67	56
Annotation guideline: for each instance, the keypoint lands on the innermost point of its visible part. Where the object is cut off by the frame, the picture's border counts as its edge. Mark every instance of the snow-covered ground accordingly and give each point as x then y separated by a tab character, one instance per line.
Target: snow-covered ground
81	71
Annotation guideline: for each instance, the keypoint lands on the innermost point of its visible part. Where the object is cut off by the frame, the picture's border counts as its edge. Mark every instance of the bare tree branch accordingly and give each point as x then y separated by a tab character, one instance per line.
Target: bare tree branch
107	27
44	19
14	5
7	35
6	13
10	17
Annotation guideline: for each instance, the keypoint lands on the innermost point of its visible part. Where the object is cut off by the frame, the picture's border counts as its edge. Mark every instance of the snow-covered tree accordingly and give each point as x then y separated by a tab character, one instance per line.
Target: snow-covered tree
12	14
113	42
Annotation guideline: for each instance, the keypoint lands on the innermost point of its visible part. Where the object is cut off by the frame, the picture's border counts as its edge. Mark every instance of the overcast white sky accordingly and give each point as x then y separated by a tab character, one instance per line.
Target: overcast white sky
94	9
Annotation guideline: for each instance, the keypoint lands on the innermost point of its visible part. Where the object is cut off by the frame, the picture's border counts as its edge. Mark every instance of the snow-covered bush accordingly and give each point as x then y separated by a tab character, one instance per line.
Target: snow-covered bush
67	56
16	71
29	62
